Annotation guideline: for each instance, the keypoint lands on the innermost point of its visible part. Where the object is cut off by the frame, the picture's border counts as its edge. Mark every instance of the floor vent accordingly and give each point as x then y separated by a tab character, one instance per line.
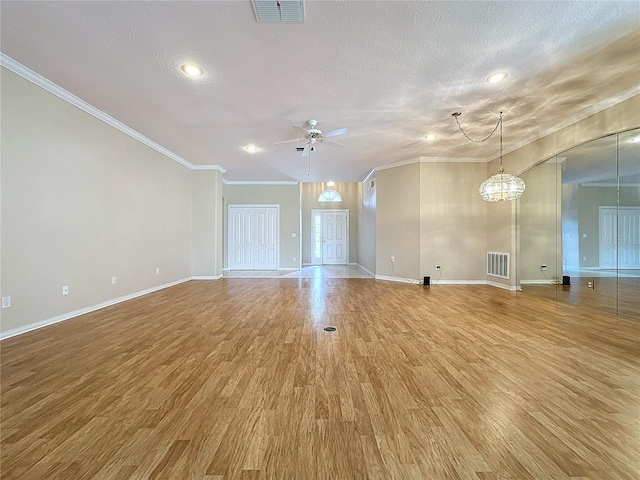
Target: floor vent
498	264
279	11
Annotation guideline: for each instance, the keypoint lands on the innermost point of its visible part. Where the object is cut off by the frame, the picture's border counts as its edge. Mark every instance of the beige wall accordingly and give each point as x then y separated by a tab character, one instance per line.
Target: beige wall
350	193
81	203
367	226
398	221
206	234
453	221
287	197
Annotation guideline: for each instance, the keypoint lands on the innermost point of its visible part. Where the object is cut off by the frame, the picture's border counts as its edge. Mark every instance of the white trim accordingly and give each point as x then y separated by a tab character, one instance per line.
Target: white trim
614	185
49	86
208	167
398	279
540	282
259	182
366	270
511	288
205	277
453	160
371	173
458	282
66	316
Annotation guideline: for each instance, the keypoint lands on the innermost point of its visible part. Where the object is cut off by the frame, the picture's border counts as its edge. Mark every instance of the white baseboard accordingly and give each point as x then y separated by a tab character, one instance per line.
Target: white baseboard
397	279
457	282
540	282
205	277
511	288
66	316
365	270
288	269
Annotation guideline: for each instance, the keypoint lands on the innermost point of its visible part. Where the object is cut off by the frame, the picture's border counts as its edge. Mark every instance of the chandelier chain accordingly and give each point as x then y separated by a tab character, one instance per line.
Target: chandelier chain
501	169
457	114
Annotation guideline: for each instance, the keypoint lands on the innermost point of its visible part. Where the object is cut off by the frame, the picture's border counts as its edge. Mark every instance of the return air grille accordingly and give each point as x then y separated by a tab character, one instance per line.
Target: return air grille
279	11
498	264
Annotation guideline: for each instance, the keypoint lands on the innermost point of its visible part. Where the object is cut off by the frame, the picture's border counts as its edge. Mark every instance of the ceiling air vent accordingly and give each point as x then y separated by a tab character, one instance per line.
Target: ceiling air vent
279	11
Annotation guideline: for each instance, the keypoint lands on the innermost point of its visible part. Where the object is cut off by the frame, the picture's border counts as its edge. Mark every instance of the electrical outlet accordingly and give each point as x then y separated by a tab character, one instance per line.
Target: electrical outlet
6	302
438	267
65	290
157	271
393	259
543	267
113	280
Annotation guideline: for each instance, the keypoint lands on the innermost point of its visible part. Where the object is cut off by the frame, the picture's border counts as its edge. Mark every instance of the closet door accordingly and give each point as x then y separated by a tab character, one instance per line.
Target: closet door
241	241
253	238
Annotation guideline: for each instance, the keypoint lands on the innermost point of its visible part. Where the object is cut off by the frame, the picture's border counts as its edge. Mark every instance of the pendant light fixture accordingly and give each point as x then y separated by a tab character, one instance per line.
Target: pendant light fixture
501	186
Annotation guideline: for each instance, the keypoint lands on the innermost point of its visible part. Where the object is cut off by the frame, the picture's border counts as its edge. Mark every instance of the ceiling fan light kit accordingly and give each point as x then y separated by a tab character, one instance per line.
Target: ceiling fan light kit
502	186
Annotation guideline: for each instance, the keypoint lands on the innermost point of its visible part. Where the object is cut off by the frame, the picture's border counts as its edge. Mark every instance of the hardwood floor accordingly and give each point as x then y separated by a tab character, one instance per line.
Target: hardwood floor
619	296
236	378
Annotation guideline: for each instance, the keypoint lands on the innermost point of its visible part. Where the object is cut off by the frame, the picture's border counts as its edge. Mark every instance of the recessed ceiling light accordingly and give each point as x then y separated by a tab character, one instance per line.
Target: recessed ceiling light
191	70
496	77
430	138
251	148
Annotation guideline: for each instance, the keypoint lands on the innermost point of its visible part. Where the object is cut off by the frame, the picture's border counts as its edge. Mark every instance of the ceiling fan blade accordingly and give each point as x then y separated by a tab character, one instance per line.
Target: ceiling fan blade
292	140
301	128
333	141
338	131
305	152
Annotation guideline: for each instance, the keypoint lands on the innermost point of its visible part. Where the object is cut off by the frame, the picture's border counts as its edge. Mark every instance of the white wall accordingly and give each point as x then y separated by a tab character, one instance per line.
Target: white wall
81	203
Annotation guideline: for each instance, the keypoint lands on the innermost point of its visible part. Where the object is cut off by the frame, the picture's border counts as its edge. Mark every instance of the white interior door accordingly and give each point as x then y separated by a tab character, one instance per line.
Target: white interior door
253	237
620	237
335	237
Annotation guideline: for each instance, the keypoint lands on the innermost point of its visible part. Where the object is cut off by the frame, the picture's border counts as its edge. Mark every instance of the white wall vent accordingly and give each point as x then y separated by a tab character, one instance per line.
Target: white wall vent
498	264
279	11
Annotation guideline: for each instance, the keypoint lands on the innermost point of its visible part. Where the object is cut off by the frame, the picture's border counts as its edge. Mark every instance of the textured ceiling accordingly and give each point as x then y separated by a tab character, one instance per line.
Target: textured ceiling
389	71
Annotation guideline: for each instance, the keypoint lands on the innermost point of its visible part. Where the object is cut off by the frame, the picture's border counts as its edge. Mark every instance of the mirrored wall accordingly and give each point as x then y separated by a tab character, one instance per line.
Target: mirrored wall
578	228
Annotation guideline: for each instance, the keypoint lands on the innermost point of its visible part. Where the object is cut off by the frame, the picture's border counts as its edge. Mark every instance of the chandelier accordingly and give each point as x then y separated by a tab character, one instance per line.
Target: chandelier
501	186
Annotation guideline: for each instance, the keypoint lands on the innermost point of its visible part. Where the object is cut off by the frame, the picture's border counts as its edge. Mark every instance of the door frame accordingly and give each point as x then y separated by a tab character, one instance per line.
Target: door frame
318	211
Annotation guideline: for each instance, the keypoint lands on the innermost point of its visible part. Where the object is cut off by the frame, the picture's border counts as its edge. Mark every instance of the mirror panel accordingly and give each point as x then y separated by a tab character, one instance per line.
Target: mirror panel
580	217
628	231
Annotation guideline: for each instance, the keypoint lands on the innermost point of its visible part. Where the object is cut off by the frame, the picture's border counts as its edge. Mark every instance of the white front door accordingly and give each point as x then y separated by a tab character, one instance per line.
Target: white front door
335	237
253	237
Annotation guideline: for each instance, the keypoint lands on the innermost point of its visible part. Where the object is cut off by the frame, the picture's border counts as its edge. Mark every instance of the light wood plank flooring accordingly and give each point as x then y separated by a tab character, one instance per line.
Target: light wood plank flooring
236	378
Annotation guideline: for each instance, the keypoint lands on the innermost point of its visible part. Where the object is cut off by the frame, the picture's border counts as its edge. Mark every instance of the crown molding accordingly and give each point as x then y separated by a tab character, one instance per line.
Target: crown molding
37	79
258	182
208	167
427	160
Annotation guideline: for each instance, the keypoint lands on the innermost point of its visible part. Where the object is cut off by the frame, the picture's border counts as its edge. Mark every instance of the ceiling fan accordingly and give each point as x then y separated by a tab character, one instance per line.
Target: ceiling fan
312	136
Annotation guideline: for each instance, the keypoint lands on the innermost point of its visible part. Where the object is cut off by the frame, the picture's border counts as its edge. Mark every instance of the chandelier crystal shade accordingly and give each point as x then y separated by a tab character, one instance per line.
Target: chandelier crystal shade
502	186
